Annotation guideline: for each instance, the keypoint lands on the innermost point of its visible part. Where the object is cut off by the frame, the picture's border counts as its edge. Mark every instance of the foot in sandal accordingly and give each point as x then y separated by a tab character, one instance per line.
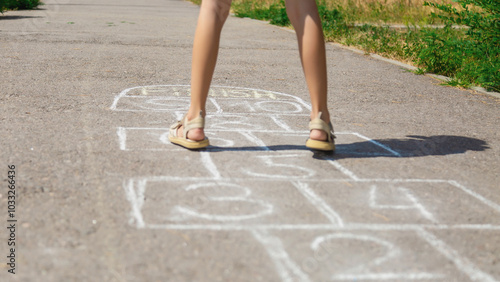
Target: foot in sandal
180	130
323	144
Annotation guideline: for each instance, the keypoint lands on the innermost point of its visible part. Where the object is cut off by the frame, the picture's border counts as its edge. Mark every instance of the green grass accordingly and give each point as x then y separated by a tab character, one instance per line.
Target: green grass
469	56
19	4
408	12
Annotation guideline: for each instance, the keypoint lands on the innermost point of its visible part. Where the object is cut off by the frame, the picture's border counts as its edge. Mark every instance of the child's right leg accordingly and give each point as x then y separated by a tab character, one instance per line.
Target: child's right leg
305	19
213	14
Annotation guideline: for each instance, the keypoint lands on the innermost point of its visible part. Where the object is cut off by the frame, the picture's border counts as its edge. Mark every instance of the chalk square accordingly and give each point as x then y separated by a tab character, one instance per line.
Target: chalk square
282	162
169	202
365	255
405	202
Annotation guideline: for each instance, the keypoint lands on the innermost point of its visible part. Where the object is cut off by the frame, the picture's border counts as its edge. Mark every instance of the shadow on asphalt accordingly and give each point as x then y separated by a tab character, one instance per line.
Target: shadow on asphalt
4	17
412	146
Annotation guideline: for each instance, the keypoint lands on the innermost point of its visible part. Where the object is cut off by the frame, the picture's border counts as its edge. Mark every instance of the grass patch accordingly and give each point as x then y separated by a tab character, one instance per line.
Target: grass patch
469	56
407	12
275	12
19	4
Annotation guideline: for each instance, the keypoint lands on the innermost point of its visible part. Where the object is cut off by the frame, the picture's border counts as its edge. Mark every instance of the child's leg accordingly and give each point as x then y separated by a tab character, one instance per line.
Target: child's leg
304	17
213	14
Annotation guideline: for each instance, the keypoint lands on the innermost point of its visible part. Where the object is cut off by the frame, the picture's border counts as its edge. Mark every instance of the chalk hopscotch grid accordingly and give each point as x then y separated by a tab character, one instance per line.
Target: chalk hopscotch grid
135	189
145	90
285	265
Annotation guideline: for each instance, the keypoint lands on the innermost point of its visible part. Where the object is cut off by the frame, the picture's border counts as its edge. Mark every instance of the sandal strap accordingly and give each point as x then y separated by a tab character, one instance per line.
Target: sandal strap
175	127
319	124
198	122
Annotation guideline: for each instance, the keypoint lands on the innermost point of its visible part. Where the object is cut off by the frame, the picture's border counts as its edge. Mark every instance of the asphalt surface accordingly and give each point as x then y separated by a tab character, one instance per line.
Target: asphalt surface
89	88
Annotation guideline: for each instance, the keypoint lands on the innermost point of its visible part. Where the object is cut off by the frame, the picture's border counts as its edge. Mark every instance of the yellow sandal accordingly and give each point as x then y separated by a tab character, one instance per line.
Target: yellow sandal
325	145
198	122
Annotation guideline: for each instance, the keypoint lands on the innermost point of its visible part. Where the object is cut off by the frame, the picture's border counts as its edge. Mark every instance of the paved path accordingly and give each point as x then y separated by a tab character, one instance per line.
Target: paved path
88	89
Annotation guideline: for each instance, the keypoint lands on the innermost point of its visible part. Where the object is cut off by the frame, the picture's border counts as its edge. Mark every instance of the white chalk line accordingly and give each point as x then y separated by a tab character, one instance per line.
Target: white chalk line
480	198
136	200
187	98
461	263
286	268
389	276
122	137
254	139
247	179
319	203
344	170
378	144
324	227
217	106
281	123
415	203
311	180
211	113
403	180
164	138
207	162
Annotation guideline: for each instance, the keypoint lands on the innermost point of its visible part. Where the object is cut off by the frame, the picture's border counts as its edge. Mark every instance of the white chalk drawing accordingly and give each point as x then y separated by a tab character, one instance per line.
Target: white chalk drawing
390	250
242	119
413	203
287	269
244	198
275	169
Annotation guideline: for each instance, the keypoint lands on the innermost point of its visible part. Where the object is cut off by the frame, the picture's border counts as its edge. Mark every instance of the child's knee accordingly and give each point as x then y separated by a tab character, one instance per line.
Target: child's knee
292	10
220	7
224	6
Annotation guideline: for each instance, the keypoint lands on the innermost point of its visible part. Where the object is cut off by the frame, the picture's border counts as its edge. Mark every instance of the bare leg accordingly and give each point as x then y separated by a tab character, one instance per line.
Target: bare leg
305	19
213	14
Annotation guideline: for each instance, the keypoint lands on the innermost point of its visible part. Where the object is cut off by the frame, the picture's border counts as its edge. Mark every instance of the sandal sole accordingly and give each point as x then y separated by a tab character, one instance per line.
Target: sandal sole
189	144
320	145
